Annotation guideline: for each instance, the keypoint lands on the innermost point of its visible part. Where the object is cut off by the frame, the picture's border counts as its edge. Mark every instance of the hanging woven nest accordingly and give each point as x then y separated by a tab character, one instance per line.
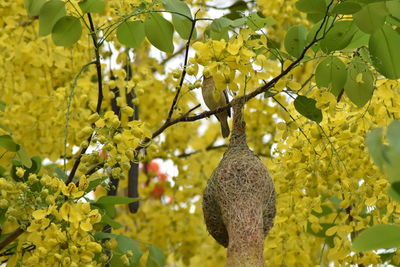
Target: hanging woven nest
239	200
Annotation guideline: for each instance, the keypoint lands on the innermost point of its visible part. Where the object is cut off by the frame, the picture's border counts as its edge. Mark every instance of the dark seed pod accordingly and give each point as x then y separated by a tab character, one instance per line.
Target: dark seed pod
239	200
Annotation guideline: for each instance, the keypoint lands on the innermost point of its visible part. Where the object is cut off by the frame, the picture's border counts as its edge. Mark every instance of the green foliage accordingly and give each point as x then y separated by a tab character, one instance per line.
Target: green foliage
24	157
67	31
378	236
218	29
156	257
125	244
159	32
339	36
385	53
92	6
331	73
394	8
375	146
387	158
255	22
347	7
181	18
306	107
49	14
8	143
311	6
359	85
131	33
371	17
296	40
33	6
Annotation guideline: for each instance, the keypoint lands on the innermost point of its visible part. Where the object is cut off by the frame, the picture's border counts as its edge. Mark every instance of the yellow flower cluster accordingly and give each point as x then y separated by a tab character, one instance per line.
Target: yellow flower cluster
57	225
231	62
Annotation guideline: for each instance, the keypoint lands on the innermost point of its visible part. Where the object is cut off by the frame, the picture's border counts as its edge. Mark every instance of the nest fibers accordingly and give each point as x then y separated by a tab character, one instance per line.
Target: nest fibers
239	200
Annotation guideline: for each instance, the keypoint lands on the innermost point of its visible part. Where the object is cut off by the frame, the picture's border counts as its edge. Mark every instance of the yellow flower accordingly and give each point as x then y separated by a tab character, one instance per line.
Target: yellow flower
72	191
71	213
20	172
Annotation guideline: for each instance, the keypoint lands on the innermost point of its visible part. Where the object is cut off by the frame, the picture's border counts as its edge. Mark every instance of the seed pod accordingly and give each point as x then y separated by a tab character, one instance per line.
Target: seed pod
239	200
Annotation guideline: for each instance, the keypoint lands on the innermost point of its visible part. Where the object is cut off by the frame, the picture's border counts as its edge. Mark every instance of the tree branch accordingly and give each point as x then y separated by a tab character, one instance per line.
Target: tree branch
99	98
244	98
14	235
171	110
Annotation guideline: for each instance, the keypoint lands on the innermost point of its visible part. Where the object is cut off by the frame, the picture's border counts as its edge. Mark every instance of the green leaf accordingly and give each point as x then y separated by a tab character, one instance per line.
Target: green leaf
131	33
306	107
93	184
296	40
255	22
36	165
66	31
114	200
92	6
2	170
321	233
385	53
159	32
183	27
339	36
177	6
182	24
371	17
239	5
378	236
375	146
60	173
311	6
33	6
3	217
24	157
386	256
359	39
393	135
218	29
325	211
8	143
346	7
6	129
49	14
106	209
394	8
124	244
331	73
394	191
315	17
156	257
2	106
359	85
107	220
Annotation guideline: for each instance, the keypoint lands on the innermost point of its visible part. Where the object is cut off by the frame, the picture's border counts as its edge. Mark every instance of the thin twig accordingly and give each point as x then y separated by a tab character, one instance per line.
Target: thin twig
69	101
99	97
14	235
185	155
243	98
171	110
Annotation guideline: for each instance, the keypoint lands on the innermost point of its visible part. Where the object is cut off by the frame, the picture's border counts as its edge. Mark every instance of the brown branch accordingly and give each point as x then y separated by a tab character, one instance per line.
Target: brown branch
95	168
14	235
185	155
99	98
175	100
245	98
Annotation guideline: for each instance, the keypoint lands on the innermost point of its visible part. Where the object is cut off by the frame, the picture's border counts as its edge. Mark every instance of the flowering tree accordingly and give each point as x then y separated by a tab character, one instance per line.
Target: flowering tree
95	94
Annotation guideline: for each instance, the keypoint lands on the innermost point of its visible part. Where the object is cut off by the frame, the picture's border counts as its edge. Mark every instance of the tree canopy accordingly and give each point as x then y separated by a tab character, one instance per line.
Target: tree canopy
97	97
